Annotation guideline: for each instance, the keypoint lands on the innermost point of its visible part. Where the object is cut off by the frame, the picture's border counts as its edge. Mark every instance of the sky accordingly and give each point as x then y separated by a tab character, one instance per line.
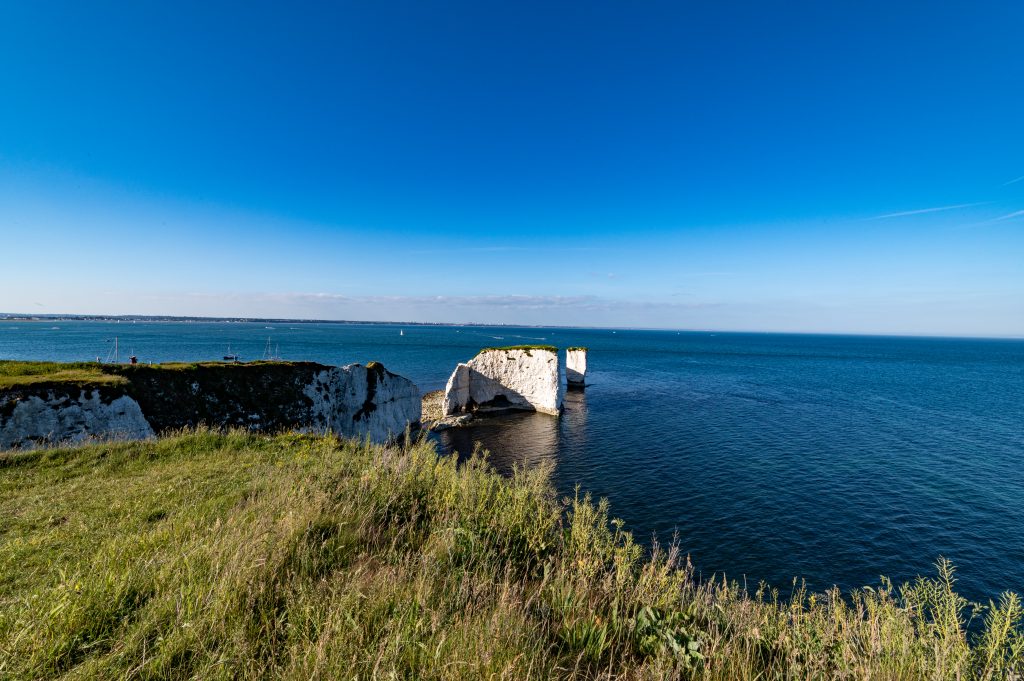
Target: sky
837	167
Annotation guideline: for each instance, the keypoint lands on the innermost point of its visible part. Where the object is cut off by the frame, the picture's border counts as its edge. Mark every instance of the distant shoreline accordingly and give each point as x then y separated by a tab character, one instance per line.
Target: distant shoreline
5	317
23	317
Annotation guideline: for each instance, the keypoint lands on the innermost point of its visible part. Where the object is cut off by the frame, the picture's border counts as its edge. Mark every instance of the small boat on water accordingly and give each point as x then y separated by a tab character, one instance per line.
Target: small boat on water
113	355
231	356
270	355
401	332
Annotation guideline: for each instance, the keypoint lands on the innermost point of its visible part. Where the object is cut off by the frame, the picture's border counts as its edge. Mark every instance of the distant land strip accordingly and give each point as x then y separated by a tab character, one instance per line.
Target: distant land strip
16	317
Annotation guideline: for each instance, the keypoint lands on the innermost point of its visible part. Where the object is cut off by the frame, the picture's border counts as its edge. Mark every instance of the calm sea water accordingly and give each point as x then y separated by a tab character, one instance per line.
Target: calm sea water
835	459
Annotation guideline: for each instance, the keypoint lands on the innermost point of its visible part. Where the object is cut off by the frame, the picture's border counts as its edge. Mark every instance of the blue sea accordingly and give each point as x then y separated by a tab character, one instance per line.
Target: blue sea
833	459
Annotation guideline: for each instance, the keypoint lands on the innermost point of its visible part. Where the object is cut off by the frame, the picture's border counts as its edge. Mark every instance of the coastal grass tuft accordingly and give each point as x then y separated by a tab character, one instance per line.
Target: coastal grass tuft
577	347
239	556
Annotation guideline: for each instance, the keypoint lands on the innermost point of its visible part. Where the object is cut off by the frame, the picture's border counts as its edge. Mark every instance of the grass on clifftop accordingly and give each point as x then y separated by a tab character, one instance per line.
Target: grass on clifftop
237	556
17	373
13	374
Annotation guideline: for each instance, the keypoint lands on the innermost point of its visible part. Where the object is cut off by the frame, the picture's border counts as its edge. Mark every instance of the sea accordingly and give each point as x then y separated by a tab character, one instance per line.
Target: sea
832	460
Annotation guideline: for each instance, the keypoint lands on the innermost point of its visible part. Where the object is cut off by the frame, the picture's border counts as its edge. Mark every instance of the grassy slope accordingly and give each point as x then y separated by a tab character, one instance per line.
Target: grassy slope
241	556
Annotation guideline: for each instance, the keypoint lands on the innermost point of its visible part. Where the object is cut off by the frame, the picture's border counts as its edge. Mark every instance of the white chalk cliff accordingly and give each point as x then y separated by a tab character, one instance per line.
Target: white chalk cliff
513	378
56	417
576	367
357	401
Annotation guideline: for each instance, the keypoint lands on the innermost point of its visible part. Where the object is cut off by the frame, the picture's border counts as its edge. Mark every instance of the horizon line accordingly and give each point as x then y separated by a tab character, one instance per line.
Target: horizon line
25	317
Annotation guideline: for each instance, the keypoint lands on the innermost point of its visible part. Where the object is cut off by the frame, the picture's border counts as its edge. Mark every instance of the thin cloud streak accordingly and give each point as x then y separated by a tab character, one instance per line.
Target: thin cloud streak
921	211
506	302
1013	181
710	274
1001	218
507	249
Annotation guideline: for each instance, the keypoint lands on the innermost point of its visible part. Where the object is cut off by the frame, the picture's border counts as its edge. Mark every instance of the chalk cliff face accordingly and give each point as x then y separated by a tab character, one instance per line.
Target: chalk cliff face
69	416
576	367
353	401
360	401
457	391
513	378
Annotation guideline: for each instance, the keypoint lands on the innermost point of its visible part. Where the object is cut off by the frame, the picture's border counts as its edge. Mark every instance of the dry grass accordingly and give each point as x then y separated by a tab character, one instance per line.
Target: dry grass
212	556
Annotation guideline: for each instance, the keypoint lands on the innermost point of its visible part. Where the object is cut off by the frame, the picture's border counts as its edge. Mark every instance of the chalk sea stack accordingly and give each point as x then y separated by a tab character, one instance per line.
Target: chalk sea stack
515	378
576	367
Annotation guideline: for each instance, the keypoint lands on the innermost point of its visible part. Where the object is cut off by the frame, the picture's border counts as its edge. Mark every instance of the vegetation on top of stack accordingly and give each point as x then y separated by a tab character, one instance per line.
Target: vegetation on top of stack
209	555
527	348
577	347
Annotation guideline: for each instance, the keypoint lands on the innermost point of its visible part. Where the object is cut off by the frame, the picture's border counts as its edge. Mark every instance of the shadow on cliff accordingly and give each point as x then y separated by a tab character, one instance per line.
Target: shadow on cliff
505	399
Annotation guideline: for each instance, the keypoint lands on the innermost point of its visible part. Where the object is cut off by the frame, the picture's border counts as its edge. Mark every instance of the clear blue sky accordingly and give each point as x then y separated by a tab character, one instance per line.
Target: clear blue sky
816	166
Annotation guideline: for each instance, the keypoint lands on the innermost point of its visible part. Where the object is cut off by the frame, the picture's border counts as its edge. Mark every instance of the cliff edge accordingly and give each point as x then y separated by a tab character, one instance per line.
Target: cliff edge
48	403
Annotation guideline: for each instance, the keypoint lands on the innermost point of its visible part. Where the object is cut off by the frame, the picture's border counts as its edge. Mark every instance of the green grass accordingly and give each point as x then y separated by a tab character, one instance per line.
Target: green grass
527	348
237	556
578	347
14	374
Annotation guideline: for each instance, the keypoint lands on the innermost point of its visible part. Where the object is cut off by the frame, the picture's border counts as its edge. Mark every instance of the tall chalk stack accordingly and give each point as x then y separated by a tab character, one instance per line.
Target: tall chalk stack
576	368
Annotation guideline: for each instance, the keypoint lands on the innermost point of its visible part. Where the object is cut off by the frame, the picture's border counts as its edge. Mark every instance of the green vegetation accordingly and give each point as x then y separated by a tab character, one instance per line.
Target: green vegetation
17	374
527	348
577	347
238	556
14	374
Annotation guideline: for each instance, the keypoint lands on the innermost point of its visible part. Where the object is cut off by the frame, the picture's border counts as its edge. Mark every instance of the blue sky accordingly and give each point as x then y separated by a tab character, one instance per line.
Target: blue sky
822	167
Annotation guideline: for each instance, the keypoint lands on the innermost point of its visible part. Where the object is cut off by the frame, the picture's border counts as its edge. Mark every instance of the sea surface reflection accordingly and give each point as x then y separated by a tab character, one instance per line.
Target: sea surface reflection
522	439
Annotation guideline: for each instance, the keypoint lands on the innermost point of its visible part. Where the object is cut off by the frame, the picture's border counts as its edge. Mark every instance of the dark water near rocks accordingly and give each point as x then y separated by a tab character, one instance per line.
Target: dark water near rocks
836	459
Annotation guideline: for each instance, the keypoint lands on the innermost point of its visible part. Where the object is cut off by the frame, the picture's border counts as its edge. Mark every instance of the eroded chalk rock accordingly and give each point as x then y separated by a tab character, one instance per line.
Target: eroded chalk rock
360	401
576	367
59	416
448	422
522	378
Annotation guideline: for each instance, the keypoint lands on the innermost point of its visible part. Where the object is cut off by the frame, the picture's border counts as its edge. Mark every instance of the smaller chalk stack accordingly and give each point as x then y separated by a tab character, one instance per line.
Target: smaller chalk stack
575	368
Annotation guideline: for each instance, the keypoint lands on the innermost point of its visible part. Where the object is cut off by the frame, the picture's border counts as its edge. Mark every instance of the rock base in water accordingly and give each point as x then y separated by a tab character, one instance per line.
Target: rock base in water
448	422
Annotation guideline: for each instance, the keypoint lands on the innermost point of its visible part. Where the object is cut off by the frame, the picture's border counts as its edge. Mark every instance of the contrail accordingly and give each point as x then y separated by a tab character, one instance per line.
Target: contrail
1013	181
1014	214
919	211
